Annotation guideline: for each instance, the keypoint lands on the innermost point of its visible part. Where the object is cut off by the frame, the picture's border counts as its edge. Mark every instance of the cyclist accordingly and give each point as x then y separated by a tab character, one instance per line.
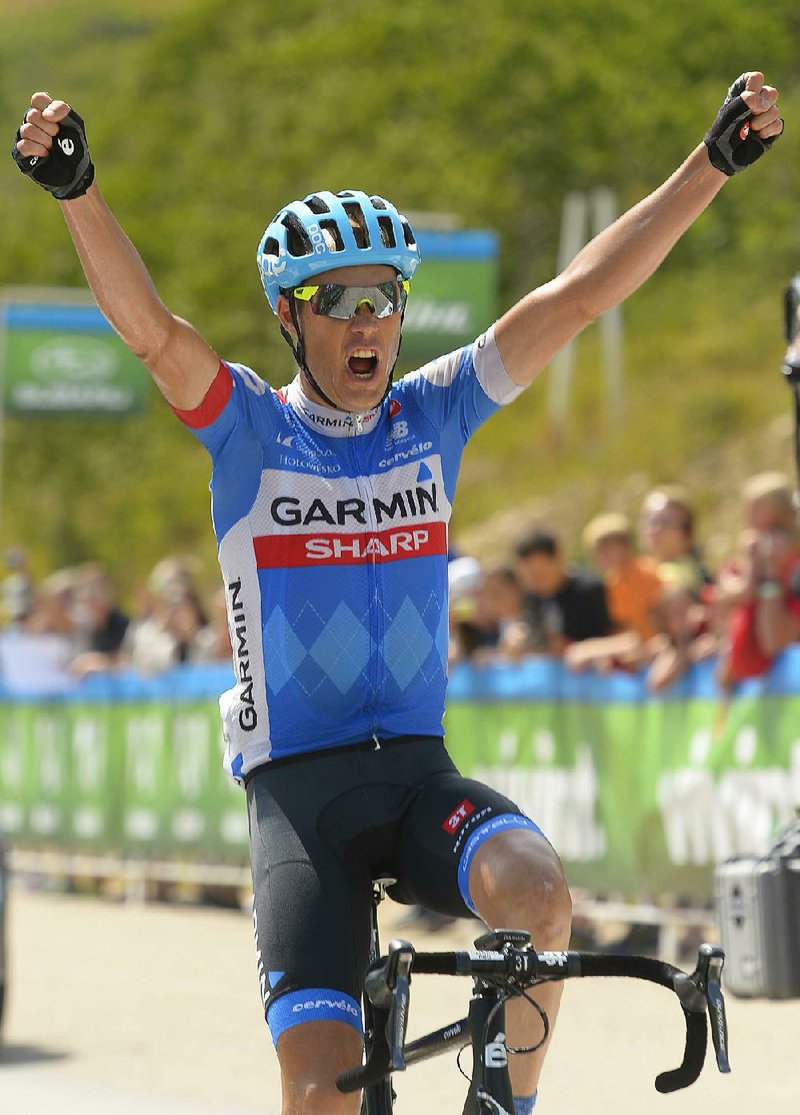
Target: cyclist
330	503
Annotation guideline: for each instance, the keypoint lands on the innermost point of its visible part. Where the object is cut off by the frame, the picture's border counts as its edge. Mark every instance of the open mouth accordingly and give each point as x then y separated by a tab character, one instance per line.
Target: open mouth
363	362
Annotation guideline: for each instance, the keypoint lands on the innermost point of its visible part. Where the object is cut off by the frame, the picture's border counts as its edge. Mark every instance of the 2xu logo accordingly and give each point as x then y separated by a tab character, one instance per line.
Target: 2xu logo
458	816
553	959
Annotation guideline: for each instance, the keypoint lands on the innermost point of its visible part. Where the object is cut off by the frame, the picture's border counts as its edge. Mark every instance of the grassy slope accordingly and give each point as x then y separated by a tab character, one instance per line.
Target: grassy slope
502	132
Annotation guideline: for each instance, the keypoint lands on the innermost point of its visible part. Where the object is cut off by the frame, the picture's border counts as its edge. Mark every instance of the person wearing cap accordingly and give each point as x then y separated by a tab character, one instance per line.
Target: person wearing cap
331	501
633	585
633	588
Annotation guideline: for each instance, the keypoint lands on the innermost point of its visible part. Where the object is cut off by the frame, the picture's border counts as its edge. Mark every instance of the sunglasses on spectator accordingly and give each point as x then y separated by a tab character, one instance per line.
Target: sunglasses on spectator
344	302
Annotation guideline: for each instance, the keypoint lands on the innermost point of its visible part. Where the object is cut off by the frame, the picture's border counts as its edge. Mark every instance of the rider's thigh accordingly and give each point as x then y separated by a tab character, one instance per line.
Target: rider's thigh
311	1056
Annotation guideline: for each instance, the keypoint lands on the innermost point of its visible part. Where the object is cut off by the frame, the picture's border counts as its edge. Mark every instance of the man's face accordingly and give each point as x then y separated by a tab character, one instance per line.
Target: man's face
350	360
541	573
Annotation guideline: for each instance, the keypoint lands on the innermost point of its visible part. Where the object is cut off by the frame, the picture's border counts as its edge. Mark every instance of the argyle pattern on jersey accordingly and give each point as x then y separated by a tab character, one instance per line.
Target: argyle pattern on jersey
340	647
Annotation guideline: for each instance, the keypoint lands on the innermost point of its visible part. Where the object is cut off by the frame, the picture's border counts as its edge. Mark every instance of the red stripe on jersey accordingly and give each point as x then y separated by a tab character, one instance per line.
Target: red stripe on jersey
282	551
214	401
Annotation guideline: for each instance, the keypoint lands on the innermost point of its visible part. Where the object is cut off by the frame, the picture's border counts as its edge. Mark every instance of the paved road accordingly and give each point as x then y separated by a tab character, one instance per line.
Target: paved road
125	1010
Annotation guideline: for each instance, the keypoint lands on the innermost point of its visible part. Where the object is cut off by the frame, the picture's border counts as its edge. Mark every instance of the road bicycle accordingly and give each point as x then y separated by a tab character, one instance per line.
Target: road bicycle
503	965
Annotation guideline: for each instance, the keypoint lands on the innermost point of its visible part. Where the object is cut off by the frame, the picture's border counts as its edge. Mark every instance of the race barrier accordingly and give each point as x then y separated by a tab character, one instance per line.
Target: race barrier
639	795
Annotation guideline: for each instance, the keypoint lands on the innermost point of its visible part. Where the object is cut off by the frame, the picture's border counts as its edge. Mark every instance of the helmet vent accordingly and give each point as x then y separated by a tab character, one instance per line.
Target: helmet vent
317	205
387	232
378	202
332	230
270	246
358	223
407	233
298	242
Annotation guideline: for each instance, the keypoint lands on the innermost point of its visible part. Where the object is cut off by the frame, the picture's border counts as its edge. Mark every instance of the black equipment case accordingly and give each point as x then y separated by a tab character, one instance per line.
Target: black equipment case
758	910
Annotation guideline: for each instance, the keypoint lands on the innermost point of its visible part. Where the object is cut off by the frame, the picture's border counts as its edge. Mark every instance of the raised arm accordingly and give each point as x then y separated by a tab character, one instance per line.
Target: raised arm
179	359
618	261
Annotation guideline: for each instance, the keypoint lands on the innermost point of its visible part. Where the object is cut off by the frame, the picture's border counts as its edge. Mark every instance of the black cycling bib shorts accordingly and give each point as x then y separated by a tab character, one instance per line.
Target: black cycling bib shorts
322	827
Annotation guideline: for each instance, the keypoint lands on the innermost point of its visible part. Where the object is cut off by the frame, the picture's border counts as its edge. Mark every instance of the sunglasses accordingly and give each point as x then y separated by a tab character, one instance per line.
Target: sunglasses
343	302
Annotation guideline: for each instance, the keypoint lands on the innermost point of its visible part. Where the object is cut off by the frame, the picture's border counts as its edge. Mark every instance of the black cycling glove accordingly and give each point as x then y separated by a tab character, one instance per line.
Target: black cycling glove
731	143
68	171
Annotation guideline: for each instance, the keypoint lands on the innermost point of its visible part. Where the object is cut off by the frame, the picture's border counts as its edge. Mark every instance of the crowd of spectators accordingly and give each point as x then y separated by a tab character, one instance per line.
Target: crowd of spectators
641	600
72	624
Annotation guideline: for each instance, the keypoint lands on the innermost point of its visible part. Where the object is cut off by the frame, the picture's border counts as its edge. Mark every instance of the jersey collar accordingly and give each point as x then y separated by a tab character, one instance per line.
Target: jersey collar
328	420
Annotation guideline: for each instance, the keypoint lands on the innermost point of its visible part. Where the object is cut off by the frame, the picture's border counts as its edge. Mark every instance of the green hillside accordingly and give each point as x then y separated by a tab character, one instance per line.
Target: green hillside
205	115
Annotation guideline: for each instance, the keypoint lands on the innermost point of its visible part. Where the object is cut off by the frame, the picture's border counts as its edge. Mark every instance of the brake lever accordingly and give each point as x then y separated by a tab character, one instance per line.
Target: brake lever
707	978
397	1022
388	988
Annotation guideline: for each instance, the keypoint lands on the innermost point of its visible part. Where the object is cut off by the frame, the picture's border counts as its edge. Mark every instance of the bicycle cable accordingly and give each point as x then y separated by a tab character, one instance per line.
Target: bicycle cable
524	1049
514	1050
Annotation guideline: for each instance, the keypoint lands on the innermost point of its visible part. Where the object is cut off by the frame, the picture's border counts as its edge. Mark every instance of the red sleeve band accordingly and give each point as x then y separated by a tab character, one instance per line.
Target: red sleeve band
214	401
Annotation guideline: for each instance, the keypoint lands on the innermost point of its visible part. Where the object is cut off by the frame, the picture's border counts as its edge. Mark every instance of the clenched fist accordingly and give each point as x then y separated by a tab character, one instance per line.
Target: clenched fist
747	124
51	148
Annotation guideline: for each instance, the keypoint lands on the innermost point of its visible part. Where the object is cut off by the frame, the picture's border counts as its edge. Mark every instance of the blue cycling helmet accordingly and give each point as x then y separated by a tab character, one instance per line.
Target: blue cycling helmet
325	231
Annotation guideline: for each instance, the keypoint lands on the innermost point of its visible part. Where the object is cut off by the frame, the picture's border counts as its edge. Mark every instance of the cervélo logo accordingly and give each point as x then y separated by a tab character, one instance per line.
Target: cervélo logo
458	816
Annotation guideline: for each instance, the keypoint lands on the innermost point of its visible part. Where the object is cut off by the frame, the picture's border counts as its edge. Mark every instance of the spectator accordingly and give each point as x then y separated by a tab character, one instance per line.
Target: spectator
464	580
175	627
562	605
17	598
36	645
53	606
684	634
666	527
759	591
633	589
633	586
500	611
188	622
100	623
16	586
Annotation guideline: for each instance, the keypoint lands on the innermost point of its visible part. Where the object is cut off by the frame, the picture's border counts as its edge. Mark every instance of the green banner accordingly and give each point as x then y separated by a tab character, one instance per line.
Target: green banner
453	295
140	778
641	797
63	359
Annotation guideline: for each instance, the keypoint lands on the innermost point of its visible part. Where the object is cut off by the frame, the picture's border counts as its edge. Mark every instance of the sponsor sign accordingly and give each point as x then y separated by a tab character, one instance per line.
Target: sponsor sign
66	359
453	294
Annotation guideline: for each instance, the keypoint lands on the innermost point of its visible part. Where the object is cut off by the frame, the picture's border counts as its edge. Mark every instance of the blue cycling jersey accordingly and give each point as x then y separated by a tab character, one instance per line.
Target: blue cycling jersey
332	535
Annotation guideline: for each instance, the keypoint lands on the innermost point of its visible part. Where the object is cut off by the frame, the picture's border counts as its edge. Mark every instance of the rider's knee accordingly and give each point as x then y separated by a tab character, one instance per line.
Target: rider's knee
522	884
543	900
